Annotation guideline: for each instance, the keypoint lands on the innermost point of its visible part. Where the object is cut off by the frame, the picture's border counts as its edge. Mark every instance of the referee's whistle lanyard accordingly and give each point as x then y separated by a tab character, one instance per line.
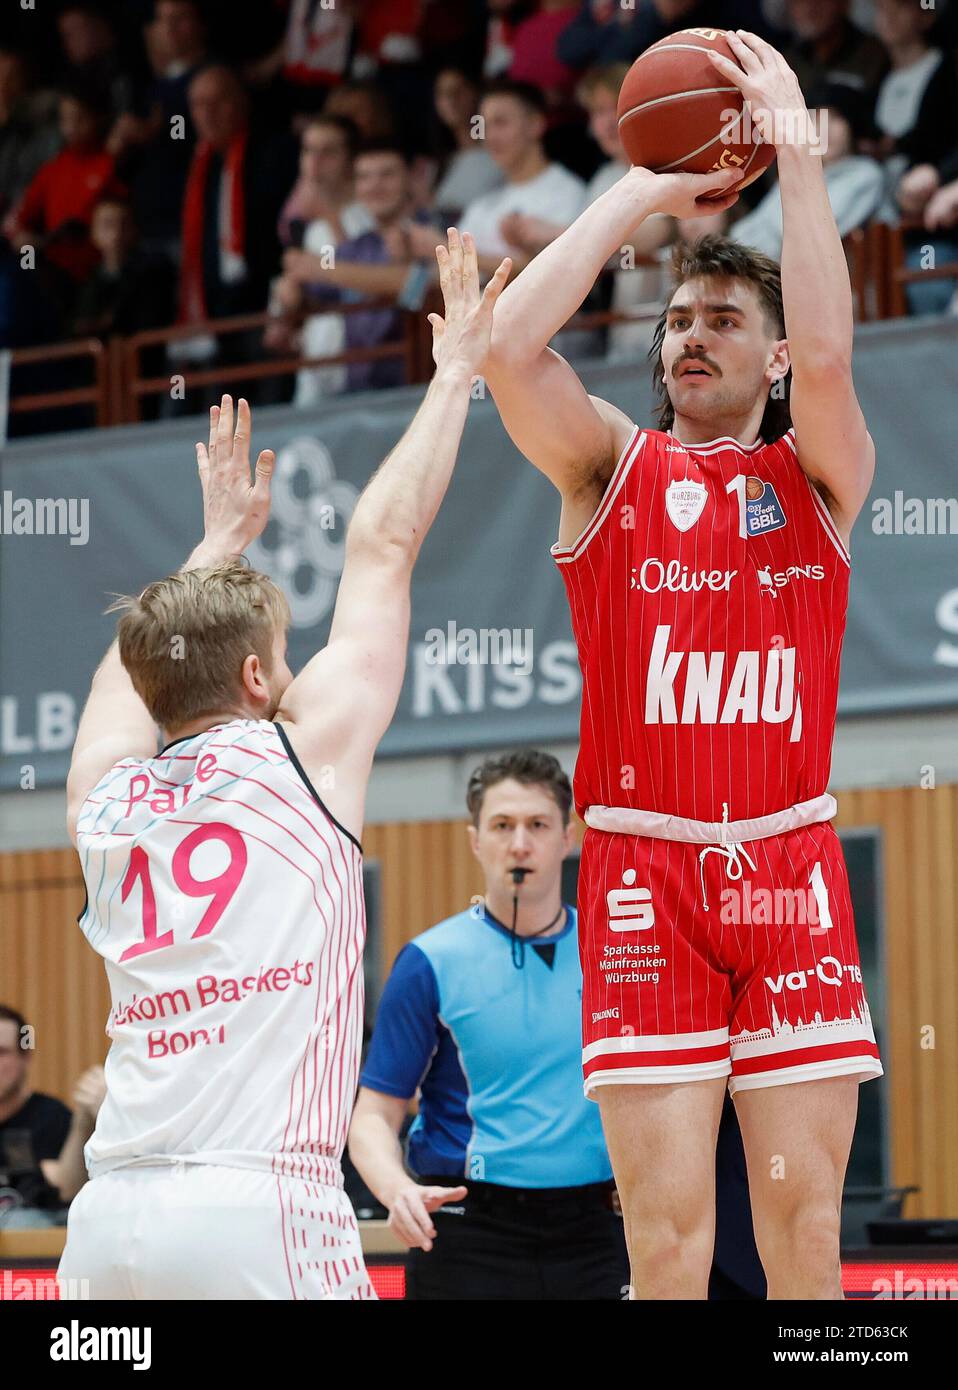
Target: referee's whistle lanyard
517	943
730	850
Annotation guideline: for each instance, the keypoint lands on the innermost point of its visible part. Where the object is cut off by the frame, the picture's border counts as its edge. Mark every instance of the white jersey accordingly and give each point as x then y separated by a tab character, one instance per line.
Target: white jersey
227	904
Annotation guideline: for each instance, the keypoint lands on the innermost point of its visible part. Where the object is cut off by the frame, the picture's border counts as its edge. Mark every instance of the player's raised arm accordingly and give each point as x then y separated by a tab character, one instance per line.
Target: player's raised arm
566	433
344	699
833	444
116	723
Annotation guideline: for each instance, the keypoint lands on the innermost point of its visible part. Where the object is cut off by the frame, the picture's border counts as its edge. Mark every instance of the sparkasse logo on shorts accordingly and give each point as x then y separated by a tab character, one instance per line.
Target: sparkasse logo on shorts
76	1343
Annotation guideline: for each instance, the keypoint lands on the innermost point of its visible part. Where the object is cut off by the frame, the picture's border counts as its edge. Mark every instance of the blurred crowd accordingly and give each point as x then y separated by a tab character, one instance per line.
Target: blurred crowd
41	1139
169	162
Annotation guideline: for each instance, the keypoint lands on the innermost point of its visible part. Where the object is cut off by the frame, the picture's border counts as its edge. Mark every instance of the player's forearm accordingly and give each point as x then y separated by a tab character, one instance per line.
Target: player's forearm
71	1173
113	706
816	289
375	1150
554	284
399	505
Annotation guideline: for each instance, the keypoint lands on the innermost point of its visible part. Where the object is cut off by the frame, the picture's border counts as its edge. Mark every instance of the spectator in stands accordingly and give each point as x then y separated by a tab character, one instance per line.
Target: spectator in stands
914	111
514	118
855	183
56	210
321	212
466	168
324	44
129	291
829	48
371	265
363	103
28	130
605	31
322	207
535	56
928	193
89	1094
91	56
33	1130
154	142
505	16
235	189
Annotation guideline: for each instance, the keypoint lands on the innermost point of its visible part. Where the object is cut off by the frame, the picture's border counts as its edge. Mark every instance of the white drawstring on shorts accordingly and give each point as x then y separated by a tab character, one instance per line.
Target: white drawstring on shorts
730	851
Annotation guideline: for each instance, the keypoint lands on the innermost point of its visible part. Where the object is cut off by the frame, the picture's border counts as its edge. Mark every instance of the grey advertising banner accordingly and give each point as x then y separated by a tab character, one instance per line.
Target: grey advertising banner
491	657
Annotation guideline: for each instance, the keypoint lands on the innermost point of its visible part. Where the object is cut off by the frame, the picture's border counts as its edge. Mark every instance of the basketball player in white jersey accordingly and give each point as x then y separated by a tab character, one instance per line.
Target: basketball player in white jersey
725	1009
224	874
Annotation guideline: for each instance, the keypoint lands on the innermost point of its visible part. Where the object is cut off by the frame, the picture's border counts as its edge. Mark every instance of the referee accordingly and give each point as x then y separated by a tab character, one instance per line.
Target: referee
513	1196
482	1014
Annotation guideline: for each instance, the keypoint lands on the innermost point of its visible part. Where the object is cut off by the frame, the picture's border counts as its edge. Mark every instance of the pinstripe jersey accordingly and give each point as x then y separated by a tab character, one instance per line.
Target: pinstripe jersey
708	597
227	904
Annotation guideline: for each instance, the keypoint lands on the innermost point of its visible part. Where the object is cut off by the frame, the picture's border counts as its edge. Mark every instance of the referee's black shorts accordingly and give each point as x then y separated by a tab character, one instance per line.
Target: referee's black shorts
523	1243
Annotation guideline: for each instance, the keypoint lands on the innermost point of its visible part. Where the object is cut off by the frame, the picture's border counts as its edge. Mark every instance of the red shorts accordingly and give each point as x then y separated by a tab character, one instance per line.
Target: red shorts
763	985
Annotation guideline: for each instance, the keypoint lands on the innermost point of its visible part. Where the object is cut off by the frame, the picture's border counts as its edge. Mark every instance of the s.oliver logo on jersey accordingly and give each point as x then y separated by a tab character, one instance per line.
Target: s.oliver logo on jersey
763	511
685	502
761	687
653	576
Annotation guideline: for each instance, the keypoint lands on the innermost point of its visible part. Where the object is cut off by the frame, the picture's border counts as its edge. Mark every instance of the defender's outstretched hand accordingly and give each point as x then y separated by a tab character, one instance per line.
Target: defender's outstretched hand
235	510
461	339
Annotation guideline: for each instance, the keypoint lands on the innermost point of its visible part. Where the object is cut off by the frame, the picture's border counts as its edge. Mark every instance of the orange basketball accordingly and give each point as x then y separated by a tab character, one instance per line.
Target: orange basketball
678	114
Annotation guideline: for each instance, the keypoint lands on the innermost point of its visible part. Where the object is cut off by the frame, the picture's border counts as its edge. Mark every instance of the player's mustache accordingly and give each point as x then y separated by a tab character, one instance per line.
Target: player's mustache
703	361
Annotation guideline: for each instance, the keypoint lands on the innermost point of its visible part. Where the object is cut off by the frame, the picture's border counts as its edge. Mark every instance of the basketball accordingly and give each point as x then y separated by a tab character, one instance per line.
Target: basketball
677	114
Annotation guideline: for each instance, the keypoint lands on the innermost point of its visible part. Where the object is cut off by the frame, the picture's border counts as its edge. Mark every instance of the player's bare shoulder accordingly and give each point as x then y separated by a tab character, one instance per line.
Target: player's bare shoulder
582	497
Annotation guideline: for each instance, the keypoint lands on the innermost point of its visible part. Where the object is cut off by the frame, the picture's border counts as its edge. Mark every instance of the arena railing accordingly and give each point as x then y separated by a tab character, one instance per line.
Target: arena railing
875	254
97	395
131	387
899	274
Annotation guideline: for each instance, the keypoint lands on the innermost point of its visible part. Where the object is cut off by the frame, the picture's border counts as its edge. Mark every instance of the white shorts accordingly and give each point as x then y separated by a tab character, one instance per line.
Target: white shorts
201	1231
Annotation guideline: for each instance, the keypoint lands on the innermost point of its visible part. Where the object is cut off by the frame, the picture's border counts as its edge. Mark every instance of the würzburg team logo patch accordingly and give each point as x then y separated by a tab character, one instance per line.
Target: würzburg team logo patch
685	502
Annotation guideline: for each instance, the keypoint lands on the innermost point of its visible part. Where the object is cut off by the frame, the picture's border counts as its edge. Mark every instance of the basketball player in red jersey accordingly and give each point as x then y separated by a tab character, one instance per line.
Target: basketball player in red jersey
707	564
224	892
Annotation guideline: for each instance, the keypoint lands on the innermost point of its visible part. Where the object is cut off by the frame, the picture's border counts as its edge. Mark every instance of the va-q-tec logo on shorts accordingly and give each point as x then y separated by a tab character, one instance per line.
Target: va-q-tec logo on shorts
307	530
630	909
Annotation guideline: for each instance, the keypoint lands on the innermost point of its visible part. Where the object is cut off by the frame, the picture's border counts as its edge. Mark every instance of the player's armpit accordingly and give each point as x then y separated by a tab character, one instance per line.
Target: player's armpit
832	442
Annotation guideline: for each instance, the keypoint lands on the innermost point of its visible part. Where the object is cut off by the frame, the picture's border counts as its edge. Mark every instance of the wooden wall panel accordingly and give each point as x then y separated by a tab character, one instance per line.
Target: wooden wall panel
428	872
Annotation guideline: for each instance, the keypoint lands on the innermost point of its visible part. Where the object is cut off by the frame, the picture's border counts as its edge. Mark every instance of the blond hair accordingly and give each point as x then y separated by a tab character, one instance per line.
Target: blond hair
183	641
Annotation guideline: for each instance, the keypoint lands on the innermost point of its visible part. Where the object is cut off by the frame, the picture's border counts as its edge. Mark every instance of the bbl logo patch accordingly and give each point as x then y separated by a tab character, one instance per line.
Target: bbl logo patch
763	511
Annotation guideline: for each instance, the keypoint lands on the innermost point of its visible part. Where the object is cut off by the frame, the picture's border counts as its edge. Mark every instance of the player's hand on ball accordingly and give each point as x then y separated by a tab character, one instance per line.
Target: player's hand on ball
235	509
409	1215
767	83
460	340
691	195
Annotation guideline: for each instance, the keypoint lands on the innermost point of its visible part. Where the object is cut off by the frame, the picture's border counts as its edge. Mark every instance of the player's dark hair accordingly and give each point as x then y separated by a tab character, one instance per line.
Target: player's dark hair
528	766
721	258
8	1015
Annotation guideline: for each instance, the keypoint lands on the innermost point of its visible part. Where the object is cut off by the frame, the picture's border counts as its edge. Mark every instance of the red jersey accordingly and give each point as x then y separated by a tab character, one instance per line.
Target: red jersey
708	597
